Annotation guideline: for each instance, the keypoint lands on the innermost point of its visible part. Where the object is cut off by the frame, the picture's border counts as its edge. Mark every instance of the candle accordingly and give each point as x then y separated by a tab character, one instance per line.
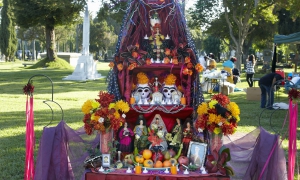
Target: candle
183	100
138	169
132	100
173	169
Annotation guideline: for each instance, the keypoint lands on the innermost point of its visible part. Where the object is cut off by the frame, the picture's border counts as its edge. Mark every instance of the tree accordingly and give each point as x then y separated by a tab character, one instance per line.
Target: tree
241	17
213	45
31	13
8	40
103	36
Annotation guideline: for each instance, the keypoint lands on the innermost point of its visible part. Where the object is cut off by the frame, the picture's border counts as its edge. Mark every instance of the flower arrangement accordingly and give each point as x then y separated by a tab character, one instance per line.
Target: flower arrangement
103	114
294	94
28	88
218	115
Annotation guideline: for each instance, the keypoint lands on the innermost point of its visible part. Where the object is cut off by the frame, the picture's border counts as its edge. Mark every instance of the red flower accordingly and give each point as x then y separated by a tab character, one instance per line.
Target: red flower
294	94
105	98
187	59
88	129
135	54
148	61
28	89
222	99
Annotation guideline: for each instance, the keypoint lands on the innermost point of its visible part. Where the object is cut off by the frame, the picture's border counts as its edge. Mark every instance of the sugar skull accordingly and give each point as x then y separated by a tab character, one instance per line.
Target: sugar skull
144	90
168	90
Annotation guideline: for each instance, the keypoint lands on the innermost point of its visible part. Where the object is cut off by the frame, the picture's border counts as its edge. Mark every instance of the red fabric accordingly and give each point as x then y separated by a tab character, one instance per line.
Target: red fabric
122	175
293	108
168	118
30	141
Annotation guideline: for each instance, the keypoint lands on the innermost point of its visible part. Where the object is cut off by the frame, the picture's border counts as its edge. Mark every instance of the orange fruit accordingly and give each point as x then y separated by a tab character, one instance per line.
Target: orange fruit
147	153
158	164
167	163
148	163
139	159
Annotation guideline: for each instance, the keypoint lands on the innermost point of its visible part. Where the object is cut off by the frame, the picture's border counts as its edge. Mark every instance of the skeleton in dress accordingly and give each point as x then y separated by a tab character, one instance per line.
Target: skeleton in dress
157	121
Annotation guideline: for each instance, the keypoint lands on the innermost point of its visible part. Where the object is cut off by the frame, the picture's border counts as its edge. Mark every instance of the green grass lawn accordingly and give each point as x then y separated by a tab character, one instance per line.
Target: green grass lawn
71	95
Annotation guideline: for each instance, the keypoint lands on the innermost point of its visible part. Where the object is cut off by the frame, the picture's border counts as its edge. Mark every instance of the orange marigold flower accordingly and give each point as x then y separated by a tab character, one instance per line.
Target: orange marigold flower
199	67
185	71
137	45
120	67
148	61
175	60
111	64
167	51
190	72
189	65
166	60
135	54
187	59
132	66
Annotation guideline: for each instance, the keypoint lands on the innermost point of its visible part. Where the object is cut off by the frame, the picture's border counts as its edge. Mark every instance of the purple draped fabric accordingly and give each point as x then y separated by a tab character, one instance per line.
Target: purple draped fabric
250	153
62	152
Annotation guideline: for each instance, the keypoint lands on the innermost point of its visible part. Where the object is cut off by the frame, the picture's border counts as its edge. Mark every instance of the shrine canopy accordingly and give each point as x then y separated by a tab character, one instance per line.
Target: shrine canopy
291	38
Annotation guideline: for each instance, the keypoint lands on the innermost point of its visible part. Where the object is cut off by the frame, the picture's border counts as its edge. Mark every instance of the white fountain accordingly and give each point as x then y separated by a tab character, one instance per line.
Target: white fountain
86	68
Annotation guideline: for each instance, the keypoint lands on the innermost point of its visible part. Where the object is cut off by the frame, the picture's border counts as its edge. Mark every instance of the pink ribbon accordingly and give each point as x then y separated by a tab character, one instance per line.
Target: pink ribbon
293	108
29	141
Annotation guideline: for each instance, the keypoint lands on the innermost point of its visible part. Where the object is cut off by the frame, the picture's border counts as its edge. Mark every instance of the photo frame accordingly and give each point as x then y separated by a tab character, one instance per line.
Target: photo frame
105	160
197	153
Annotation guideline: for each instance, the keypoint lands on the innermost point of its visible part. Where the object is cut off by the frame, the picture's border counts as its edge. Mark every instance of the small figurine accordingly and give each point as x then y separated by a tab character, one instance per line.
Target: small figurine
177	133
158	128
125	135
187	136
141	134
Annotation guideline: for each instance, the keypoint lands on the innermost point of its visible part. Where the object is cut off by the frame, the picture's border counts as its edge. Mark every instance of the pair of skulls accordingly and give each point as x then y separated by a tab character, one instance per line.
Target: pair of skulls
144	90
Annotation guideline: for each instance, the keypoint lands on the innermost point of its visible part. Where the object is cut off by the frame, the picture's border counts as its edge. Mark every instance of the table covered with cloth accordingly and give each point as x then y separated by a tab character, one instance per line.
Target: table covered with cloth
120	174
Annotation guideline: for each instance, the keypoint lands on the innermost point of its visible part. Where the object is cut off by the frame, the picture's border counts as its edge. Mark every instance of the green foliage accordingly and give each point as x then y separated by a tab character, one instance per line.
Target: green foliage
287	24
212	45
50	14
8	40
57	64
204	12
103	36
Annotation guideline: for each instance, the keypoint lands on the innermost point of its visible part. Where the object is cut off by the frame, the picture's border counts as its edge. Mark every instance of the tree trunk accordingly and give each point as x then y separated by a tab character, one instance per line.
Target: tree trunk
50	43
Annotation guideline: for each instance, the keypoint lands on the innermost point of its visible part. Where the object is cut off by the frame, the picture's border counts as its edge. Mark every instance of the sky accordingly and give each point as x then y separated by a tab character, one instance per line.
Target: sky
94	5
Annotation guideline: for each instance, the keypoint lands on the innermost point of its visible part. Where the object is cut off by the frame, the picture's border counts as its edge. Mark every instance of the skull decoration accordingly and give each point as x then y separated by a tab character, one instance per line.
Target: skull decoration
167	91
144	90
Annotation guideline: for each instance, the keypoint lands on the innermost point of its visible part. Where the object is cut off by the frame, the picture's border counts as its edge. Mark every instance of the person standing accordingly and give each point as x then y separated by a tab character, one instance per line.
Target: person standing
266	84
228	66
250	70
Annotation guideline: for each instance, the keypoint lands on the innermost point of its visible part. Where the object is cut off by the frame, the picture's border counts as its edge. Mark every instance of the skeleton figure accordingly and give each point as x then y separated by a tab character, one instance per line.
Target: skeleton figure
167	91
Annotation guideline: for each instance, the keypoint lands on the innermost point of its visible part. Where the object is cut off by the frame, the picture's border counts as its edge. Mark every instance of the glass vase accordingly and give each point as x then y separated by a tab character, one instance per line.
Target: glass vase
105	139
215	142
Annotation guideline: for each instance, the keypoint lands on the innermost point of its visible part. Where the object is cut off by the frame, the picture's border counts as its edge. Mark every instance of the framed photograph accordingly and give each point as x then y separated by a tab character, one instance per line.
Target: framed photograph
105	160
197	153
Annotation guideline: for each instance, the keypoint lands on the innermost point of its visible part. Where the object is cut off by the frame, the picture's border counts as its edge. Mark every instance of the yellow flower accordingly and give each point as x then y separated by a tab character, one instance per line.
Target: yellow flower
212	104
202	108
217	130
95	104
122	106
111	105
117	115
212	118
94	118
87	106
234	109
